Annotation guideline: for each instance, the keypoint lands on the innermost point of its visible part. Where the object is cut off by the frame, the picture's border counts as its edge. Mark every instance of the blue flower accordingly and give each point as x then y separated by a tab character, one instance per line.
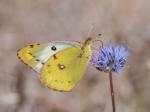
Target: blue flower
110	58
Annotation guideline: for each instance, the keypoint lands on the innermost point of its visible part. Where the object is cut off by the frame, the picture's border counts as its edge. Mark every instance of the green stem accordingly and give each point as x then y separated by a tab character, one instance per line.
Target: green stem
112	92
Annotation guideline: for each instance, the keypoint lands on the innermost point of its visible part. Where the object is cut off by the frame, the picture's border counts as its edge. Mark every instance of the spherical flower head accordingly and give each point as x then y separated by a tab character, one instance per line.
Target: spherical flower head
110	58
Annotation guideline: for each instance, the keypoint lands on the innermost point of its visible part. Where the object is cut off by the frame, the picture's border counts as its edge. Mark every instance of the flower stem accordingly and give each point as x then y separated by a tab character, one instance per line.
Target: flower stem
112	92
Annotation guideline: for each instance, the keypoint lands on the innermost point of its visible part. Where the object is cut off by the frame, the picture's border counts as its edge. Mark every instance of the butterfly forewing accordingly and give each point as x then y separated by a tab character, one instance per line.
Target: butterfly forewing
36	55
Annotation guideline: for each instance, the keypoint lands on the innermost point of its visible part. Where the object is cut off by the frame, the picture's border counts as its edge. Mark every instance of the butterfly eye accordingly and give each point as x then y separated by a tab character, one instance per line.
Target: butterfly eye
53	48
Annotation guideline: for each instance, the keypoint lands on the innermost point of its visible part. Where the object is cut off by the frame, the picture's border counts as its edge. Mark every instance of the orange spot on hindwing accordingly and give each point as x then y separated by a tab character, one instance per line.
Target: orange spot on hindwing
55	57
61	66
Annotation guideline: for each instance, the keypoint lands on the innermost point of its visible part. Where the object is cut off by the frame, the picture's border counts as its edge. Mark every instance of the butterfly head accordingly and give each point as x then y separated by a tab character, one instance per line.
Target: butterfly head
87	42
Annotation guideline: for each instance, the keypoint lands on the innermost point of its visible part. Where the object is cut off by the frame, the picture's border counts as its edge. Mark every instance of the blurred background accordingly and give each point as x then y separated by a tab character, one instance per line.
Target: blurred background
23	22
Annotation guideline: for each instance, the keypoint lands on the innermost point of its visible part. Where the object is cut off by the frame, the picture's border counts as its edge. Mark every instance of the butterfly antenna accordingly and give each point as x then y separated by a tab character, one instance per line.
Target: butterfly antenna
90	30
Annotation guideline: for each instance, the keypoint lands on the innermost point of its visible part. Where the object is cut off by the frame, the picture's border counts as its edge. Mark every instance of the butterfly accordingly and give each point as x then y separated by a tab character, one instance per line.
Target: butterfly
61	64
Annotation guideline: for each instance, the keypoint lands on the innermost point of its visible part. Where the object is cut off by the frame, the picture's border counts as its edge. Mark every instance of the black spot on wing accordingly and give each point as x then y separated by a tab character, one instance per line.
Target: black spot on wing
53	48
31	46
37	60
42	63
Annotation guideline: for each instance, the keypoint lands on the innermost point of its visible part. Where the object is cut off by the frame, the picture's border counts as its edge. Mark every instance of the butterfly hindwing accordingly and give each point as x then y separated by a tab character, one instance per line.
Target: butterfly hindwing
62	71
36	55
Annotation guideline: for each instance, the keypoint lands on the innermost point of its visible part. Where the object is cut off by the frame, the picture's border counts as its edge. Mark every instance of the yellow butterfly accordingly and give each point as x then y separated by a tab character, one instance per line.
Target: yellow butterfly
60	64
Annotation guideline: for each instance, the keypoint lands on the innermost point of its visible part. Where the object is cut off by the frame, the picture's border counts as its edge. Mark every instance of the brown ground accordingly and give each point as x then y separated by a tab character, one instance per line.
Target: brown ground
24	22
